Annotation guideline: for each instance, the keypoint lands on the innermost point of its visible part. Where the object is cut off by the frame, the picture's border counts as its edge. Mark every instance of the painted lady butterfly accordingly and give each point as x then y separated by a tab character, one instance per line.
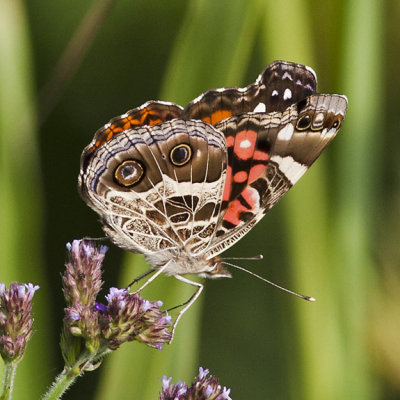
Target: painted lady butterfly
180	186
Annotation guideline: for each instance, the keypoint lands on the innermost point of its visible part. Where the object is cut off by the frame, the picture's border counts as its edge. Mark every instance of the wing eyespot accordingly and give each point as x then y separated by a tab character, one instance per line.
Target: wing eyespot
336	123
129	173
303	122
180	155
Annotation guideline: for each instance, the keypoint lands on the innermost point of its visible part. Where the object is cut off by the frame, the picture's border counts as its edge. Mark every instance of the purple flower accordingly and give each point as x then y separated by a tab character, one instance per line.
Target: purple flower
202	388
15	319
130	317
95	328
82	278
81	285
173	392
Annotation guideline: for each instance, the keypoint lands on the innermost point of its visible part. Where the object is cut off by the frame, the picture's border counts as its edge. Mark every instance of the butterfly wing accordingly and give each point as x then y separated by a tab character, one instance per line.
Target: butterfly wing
267	155
280	85
148	114
157	188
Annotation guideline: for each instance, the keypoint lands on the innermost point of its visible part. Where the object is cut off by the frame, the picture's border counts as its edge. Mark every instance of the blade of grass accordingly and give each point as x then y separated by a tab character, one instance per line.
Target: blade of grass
307	212
209	51
359	169
334	355
20	195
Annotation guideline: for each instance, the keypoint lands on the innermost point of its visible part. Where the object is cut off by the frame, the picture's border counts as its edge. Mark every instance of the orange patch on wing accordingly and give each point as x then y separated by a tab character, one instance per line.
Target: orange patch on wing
240	176
134	121
142	117
145	117
230	140
233	211
110	134
228	184
255	172
154	122
245	143
235	207
219	115
261	155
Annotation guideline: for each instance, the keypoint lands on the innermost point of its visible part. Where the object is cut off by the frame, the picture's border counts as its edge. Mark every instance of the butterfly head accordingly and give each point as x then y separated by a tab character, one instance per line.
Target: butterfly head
216	269
183	264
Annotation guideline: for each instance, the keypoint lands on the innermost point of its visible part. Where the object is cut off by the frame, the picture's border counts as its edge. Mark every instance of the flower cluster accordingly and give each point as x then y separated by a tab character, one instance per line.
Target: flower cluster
15	319
100	327
128	316
81	285
202	388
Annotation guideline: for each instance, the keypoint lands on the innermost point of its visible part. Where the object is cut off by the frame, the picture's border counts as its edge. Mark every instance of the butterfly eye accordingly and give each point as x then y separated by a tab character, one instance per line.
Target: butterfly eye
128	173
303	122
180	154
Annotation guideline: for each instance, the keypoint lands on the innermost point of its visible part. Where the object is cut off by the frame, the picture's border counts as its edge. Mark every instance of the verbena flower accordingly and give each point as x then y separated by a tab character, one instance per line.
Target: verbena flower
95	327
81	285
202	388
15	319
130	317
92	329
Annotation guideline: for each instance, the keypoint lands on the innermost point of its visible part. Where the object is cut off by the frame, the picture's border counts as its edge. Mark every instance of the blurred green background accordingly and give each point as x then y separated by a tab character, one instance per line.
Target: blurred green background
335	236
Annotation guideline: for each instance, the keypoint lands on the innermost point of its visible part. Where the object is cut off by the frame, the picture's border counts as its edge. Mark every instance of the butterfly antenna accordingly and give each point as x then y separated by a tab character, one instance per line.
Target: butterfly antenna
258	257
308	298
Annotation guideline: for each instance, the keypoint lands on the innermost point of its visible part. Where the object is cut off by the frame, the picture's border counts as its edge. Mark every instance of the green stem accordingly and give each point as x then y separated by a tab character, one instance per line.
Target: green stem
68	376
63	381
8	380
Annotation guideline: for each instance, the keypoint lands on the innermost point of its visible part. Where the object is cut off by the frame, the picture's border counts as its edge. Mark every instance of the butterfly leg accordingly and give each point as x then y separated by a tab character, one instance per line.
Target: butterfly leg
188	303
151	279
140	277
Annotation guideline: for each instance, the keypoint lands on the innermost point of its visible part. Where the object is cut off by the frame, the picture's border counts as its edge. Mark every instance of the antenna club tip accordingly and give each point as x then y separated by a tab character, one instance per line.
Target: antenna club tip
312	299
260	257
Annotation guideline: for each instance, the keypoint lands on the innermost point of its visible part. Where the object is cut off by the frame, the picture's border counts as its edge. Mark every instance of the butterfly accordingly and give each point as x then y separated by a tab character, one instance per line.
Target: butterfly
181	185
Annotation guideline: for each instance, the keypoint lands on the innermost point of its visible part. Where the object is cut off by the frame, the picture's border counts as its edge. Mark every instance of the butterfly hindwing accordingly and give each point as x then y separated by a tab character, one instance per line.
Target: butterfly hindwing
158	188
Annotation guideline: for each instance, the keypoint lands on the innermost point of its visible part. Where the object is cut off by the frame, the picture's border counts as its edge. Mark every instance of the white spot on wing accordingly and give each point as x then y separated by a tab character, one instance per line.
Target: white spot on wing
291	168
274	93
319	118
286	132
287	94
286	75
244	144
260	108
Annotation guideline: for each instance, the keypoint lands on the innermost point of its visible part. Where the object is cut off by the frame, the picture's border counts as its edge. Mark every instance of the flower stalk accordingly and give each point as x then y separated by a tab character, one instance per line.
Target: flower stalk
7	385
